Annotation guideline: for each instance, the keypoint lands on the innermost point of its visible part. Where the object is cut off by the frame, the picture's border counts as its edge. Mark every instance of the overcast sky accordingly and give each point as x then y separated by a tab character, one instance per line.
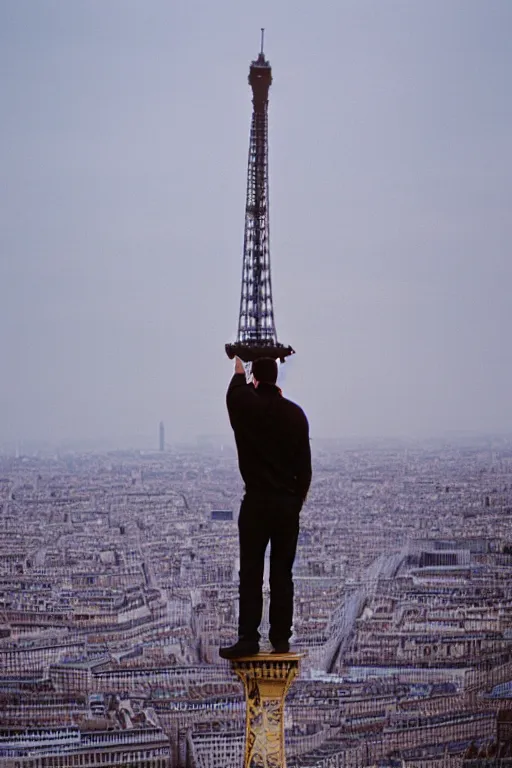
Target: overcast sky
124	130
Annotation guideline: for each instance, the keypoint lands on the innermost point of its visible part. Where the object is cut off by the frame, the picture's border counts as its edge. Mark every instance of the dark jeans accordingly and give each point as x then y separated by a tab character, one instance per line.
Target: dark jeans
263	519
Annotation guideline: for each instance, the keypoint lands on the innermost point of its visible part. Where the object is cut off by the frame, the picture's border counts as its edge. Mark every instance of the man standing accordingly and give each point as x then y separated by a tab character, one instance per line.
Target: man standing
274	457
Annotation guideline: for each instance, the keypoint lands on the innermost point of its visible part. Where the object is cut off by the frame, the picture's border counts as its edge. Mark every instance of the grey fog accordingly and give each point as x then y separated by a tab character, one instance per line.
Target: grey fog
124	134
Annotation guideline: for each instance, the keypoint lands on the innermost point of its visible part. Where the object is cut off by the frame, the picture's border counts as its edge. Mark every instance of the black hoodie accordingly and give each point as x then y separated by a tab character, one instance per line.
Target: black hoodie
272	439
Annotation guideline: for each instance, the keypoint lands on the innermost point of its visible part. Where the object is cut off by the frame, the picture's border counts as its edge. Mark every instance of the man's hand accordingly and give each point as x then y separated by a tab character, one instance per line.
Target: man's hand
239	366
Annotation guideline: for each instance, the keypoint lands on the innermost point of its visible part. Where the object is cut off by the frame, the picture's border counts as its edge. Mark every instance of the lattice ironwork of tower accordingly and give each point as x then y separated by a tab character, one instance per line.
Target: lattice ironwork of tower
256	326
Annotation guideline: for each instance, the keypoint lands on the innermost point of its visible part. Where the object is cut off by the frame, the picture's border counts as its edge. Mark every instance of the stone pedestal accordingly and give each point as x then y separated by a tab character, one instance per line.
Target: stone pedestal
266	678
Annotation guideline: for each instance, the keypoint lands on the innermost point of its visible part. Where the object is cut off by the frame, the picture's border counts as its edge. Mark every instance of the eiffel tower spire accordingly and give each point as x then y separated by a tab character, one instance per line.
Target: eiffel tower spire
257	335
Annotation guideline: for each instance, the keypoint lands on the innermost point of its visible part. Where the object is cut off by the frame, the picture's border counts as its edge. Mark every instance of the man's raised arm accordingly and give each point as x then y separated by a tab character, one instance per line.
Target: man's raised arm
238	379
240	393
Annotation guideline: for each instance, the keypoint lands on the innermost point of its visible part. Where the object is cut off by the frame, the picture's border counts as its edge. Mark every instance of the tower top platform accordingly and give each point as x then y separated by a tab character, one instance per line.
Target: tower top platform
249	351
266	657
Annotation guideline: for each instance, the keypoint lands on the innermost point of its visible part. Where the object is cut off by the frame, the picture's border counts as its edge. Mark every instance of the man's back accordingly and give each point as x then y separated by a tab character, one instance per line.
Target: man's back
272	438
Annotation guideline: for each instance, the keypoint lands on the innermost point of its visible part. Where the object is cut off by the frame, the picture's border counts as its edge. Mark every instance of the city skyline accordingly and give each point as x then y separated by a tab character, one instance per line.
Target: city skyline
124	147
118	585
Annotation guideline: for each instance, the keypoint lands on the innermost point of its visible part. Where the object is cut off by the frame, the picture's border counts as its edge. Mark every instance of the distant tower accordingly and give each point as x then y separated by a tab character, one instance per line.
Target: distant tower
162	436
256	327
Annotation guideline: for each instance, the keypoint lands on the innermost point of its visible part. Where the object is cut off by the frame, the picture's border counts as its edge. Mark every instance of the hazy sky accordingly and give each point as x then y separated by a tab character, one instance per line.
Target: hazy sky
124	131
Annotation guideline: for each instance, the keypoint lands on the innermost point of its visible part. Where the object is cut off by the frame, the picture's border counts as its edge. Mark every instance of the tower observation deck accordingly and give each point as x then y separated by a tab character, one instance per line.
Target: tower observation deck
257	335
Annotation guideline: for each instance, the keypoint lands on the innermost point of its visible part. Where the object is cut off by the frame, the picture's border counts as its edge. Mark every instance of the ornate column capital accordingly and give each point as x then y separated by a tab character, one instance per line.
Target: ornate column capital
266	678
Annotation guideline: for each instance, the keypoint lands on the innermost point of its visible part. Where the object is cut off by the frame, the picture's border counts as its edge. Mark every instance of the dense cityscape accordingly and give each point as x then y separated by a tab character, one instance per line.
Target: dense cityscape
372	229
119	582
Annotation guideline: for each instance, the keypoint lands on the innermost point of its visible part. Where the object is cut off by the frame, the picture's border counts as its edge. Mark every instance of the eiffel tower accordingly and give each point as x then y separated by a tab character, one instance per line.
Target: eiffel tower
257	335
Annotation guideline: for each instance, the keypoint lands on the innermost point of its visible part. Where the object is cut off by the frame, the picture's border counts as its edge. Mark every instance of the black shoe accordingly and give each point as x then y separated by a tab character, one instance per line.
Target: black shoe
282	646
240	648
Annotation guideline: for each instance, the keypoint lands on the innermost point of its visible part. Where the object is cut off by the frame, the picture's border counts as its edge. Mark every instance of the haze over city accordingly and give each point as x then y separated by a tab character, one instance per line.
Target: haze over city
124	146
